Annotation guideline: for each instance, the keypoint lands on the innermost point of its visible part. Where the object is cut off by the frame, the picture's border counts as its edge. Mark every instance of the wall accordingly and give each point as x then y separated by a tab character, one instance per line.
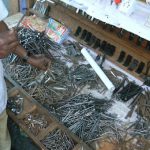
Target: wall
12	6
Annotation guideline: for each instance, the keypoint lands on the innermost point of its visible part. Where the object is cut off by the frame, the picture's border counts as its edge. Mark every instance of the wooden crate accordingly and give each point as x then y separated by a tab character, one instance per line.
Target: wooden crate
32	106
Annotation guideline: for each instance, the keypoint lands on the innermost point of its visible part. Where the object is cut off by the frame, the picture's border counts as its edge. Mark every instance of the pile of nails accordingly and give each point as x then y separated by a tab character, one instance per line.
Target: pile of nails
140	128
23	74
36	42
61	83
15	104
85	116
58	84
35	122
142	101
58	140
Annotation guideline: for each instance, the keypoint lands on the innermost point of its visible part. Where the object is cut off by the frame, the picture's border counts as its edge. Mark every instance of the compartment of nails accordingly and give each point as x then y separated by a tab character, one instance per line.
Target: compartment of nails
58	140
15	104
35	121
19	103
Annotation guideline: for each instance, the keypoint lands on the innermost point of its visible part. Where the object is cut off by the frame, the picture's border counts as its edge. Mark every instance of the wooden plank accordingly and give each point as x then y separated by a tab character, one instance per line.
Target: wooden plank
29	4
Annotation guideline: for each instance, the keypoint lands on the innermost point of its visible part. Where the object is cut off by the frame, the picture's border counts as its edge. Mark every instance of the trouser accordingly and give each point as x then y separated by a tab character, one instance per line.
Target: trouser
5	142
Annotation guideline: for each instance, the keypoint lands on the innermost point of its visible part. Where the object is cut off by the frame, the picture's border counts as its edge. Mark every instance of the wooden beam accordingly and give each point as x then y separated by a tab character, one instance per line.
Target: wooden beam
29	4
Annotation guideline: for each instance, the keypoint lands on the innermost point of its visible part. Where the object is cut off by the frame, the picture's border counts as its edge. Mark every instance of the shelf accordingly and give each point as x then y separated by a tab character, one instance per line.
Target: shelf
73	21
138	22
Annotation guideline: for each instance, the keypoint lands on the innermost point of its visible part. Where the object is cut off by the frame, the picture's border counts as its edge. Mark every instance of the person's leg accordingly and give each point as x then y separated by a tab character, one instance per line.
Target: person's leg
5	142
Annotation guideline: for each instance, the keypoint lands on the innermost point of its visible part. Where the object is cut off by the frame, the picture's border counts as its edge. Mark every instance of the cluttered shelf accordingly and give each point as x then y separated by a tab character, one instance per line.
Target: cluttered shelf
87	31
59	84
123	41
